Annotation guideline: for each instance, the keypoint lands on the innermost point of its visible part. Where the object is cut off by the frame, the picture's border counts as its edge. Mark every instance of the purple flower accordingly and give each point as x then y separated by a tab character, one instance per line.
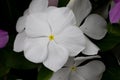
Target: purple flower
53	2
114	13
116	1
3	38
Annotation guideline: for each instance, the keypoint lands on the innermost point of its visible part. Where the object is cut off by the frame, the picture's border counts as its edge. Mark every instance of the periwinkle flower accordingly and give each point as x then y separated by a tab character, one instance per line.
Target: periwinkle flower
48	35
114	13
3	38
72	70
93	25
116	1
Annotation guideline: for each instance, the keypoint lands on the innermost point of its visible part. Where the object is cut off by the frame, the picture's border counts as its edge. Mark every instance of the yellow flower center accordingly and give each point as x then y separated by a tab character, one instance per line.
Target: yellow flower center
51	37
73	68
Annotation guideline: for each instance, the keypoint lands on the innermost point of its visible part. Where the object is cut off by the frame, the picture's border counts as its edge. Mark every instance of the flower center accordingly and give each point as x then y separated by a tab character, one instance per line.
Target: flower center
51	37
73	68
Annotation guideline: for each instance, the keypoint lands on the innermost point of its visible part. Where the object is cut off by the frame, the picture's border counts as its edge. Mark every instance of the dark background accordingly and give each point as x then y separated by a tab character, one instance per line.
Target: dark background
10	11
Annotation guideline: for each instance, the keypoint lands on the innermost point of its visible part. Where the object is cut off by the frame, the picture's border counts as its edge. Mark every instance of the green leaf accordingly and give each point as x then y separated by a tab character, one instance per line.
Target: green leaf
112	68
112	73
63	3
44	74
3	70
109	42
111	39
15	60
114	29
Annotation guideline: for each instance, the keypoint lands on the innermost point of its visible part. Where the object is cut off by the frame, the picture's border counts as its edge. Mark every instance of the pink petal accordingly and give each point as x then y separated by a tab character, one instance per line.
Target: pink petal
114	14
53	2
116	1
3	38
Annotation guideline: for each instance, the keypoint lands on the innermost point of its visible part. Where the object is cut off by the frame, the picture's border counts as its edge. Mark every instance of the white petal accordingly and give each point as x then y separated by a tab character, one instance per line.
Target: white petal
19	42
57	57
70	62
72	39
91	48
60	18
79	60
26	12
81	9
37	26
21	23
50	8
61	74
92	71
35	50
94	26
76	76
38	6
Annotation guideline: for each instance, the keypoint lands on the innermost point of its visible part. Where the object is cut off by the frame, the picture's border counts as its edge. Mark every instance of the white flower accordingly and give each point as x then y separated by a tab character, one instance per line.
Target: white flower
72	71
48	35
94	25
